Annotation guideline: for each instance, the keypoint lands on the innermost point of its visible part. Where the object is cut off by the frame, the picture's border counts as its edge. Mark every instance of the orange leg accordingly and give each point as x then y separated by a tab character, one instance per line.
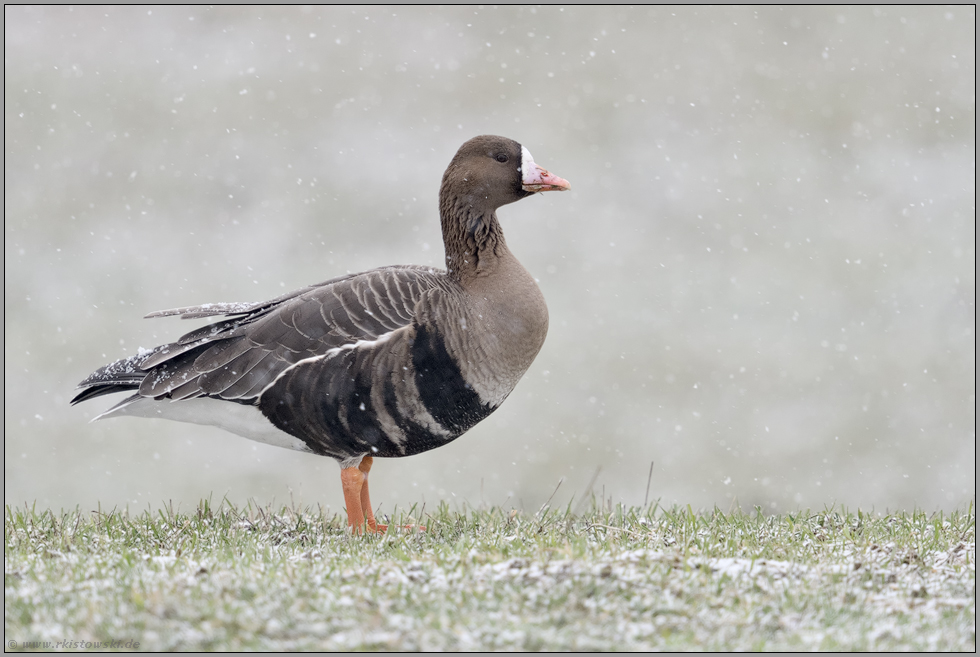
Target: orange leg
373	526
357	498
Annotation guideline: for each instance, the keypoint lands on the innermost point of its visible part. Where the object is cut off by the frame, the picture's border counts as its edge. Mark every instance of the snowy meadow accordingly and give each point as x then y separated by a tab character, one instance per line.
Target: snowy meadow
608	579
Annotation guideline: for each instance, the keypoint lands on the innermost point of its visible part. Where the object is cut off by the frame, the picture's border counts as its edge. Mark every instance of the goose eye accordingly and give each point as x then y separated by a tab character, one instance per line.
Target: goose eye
501	157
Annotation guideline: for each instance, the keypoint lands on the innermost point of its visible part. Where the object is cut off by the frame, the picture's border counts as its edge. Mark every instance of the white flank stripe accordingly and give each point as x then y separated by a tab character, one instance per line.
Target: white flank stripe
384	337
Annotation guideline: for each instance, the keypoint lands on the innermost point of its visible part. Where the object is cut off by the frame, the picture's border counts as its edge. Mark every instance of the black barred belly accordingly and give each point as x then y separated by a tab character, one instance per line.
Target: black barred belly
373	401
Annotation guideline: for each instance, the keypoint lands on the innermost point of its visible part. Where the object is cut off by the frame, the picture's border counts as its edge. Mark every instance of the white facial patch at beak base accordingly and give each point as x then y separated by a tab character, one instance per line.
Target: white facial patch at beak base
536	179
527	162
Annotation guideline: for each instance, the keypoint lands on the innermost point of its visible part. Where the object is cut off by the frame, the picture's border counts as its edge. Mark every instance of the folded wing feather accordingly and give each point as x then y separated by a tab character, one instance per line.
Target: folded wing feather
238	357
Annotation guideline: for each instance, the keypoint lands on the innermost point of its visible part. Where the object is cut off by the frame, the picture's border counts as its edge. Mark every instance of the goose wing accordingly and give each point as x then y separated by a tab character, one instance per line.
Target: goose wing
236	358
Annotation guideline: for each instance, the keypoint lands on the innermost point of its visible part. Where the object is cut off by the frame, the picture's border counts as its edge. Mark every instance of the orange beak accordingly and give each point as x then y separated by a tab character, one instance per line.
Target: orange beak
537	179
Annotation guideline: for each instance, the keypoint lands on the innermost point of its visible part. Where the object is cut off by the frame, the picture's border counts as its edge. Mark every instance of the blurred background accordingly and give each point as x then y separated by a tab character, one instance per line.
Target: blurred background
762	281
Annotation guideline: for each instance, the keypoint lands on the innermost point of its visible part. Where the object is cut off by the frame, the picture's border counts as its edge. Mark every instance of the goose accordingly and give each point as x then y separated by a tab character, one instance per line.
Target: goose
389	362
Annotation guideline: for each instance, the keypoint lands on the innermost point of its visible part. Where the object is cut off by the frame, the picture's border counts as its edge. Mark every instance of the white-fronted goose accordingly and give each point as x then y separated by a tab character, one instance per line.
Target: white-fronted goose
390	362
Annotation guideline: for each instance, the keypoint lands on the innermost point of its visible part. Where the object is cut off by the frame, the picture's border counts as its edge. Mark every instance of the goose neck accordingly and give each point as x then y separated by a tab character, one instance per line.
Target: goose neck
473	239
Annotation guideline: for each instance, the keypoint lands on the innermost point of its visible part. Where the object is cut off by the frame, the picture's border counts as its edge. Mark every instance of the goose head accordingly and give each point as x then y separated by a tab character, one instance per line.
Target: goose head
490	171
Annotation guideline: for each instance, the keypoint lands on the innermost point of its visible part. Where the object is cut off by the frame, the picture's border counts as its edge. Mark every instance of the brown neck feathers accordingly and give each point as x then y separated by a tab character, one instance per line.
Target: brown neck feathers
472	235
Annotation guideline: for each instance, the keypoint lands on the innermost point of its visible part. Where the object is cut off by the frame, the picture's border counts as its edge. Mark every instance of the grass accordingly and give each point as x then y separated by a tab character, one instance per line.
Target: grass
611	579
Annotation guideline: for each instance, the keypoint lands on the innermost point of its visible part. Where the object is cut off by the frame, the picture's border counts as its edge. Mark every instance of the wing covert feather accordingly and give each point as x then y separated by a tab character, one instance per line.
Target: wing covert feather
238	357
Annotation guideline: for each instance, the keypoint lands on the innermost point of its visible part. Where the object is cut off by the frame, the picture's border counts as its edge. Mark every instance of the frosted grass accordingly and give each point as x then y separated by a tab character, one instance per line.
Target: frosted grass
612	579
